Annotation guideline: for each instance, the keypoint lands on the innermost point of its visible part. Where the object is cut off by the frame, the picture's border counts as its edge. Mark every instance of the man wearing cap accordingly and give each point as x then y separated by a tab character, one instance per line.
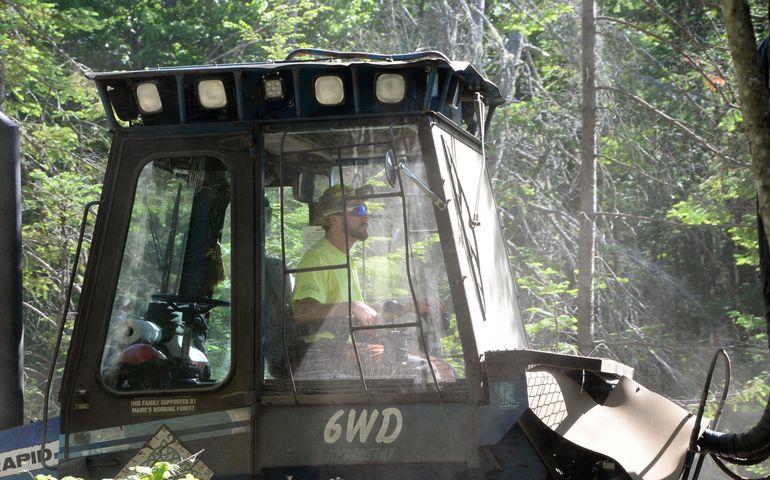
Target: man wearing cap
323	294
320	298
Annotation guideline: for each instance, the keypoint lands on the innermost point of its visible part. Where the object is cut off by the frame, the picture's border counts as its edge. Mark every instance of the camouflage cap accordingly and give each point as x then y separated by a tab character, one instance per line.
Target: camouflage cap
331	200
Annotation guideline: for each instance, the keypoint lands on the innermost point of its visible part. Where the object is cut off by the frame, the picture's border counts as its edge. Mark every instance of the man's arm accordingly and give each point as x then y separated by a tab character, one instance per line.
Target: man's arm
308	310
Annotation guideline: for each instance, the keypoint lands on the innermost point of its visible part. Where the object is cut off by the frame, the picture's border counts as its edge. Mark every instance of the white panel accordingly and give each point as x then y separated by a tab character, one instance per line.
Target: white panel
488	281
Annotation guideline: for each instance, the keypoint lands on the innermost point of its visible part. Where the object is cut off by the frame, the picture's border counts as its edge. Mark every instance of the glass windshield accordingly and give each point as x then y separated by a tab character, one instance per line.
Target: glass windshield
356	285
170	323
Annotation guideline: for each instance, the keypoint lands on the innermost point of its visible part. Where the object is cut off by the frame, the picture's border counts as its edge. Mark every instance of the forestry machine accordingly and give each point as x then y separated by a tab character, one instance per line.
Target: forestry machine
185	345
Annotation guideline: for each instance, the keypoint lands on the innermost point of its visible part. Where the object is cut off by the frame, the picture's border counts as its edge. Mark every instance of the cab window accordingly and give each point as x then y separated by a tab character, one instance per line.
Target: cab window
363	289
170	325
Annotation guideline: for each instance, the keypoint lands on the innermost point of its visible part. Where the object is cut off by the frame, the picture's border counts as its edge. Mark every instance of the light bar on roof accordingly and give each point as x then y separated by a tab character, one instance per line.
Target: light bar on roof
211	94
148	98
329	90
390	87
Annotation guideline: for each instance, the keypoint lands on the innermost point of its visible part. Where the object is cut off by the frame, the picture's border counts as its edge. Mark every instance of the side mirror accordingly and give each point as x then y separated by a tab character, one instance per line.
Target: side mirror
391	167
303	189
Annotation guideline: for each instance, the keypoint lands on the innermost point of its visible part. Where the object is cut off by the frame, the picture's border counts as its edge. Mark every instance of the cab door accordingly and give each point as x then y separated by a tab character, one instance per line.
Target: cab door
162	360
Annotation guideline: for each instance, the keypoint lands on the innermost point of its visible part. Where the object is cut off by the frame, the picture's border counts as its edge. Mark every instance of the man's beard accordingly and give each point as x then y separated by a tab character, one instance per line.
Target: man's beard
361	233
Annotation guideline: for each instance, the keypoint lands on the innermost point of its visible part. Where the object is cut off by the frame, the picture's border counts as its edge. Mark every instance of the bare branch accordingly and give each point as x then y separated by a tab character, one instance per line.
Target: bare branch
693	62
673	121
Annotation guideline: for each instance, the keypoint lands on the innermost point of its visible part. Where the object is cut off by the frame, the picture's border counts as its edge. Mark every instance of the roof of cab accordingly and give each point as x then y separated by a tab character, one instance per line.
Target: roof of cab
433	82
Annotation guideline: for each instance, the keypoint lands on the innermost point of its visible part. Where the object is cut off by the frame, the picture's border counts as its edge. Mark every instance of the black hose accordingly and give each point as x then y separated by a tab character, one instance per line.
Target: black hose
739	446
701	409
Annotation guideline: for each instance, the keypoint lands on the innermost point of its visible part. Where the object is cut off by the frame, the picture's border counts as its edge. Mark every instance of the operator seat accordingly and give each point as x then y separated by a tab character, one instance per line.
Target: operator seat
277	321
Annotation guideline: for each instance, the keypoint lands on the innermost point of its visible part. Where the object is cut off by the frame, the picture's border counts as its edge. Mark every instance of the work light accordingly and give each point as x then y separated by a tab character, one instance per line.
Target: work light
273	88
211	94
329	90
390	87
148	98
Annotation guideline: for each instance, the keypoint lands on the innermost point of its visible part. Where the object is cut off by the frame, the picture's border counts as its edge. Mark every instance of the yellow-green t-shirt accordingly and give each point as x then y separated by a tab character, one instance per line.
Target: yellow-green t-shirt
326	286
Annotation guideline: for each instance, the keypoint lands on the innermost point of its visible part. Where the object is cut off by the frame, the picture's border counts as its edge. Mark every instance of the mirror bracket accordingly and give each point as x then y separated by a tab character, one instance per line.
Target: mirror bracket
392	169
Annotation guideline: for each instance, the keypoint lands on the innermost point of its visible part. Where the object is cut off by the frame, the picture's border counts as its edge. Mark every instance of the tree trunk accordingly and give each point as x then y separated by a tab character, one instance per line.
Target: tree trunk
588	198
2	79
752	89
477	16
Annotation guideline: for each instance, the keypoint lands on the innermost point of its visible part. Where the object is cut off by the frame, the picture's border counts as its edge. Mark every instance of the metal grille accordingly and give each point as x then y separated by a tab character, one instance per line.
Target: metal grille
545	398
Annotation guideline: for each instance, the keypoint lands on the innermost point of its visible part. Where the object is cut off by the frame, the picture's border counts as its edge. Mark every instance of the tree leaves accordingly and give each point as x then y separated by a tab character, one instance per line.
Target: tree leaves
675	249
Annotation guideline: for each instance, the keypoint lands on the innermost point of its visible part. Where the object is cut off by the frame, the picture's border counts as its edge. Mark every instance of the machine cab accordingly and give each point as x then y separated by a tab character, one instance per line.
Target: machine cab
275	240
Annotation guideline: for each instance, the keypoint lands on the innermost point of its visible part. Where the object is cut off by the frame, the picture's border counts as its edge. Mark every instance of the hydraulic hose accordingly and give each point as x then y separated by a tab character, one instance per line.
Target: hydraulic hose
721	353
751	445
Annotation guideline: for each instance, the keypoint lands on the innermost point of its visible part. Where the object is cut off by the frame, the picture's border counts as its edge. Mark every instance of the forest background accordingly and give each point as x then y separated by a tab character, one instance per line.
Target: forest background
676	271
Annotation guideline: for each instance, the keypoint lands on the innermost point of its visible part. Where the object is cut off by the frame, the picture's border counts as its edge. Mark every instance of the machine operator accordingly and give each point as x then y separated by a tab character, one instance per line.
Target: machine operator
320	299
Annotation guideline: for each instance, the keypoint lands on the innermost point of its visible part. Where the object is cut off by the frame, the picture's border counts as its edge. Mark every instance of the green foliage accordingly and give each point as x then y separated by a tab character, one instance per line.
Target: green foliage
676	249
753	327
62	144
129	33
713	203
677	238
279	26
295	216
550	321
452	349
159	471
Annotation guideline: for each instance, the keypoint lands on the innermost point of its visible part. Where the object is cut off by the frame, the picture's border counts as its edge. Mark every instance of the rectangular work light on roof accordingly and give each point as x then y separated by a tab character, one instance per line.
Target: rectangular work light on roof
390	87
329	90
148	98
211	94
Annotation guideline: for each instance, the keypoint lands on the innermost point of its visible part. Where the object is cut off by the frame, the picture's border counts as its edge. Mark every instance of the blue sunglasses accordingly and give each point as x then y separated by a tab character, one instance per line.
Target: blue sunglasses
358	210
